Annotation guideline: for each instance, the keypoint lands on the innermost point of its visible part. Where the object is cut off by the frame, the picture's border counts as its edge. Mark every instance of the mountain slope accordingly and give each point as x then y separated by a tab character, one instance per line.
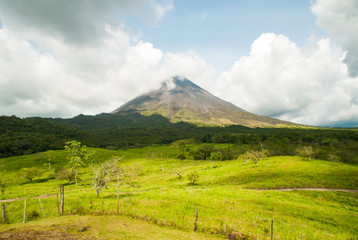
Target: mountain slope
182	100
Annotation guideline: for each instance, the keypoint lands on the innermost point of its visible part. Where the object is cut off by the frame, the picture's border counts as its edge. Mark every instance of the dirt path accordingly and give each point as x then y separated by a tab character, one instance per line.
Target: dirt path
20	199
306	189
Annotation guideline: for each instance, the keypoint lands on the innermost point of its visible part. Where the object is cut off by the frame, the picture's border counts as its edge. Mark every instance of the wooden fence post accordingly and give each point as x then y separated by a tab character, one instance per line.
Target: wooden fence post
24	220
42	208
58	205
272	229
117	194
62	199
196	219
3	213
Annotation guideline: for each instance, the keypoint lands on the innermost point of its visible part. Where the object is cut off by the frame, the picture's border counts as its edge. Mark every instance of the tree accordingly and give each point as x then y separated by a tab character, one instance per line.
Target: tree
30	173
256	156
64	173
332	156
104	174
203	152
77	155
305	151
50	153
215	156
182	145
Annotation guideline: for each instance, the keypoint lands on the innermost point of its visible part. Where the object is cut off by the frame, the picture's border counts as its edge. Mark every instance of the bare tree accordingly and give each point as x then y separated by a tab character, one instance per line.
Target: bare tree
104	174
50	154
306	151
256	156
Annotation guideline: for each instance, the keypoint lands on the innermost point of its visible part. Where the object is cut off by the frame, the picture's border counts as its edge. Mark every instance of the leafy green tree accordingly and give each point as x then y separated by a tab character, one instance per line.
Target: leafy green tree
104	174
182	146
203	152
216	156
30	173
77	155
64	173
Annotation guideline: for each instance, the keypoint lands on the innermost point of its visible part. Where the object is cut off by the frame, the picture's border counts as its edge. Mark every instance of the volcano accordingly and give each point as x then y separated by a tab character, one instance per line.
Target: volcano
179	99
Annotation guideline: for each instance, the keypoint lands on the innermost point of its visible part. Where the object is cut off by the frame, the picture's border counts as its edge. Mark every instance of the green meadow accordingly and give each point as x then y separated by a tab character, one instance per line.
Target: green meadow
156	201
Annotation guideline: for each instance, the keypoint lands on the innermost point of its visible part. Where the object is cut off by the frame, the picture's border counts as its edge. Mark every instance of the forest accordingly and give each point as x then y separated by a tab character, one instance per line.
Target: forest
131	130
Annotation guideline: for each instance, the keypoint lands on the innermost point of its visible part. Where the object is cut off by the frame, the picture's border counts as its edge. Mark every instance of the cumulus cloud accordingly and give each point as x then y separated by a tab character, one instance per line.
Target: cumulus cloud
308	85
340	20
68	80
189	65
50	67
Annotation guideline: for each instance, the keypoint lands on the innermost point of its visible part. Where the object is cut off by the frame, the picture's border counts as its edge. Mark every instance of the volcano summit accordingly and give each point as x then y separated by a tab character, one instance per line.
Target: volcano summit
179	99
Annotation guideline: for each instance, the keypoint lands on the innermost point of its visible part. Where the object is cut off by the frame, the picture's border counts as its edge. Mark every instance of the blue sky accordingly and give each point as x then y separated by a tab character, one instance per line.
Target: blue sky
292	60
223	31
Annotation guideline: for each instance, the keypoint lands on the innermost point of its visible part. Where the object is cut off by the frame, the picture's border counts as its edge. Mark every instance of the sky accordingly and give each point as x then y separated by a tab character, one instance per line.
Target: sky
292	60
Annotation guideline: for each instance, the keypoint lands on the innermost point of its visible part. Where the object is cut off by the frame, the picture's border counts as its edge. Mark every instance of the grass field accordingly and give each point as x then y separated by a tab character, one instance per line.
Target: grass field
154	200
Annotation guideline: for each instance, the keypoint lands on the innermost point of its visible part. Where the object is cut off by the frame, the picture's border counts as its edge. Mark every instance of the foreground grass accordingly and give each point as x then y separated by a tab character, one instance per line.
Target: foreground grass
94	227
226	205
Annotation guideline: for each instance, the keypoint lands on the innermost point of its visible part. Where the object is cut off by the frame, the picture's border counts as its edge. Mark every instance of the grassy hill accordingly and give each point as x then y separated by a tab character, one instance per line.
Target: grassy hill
152	194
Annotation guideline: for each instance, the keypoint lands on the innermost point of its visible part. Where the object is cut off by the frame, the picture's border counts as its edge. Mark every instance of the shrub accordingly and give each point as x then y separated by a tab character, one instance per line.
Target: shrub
193	177
33	215
62	173
179	173
30	173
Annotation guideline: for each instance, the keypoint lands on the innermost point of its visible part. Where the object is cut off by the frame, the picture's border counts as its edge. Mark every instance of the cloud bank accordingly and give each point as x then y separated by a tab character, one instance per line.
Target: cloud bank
306	85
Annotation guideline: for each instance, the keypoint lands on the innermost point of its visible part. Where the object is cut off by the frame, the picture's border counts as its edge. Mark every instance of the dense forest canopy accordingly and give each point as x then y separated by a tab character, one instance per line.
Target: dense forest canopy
130	129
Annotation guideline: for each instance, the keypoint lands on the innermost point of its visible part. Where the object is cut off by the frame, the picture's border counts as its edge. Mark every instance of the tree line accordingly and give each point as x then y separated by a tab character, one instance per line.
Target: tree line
130	130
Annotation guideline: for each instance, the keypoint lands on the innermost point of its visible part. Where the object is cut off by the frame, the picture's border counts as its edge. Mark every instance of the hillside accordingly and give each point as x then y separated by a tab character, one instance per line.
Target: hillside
152	193
181	100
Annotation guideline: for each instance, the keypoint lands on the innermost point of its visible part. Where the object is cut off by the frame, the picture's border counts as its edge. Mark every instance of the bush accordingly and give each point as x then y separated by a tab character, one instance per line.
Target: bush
62	173
179	173
30	173
193	177
33	215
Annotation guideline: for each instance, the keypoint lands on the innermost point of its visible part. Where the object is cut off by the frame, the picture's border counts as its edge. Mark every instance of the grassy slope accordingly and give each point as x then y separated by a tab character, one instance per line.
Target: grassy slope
225	206
103	227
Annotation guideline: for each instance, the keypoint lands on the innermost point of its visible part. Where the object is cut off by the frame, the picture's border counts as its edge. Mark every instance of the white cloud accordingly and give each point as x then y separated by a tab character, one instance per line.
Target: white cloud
310	86
191	66
76	22
84	79
340	20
